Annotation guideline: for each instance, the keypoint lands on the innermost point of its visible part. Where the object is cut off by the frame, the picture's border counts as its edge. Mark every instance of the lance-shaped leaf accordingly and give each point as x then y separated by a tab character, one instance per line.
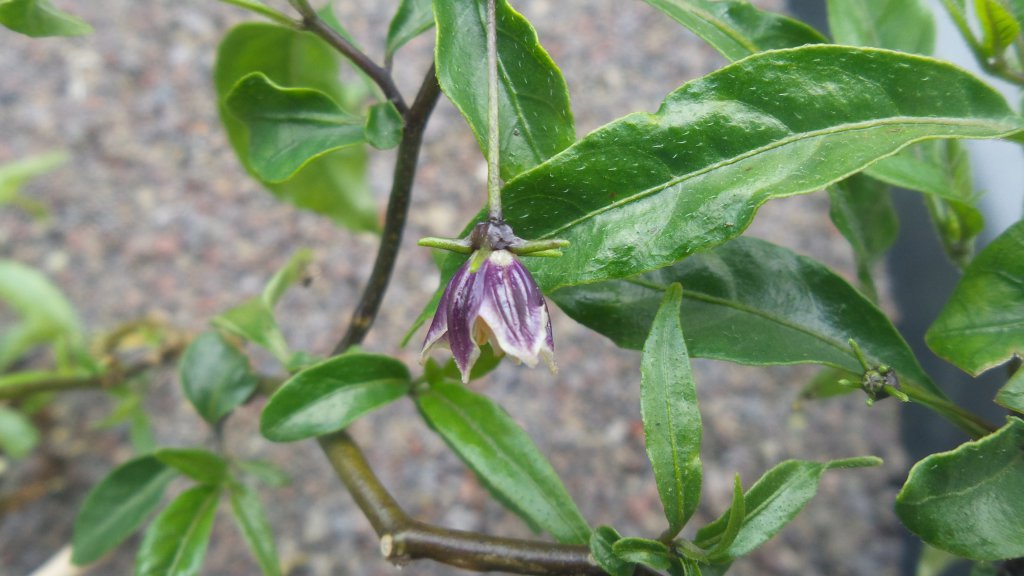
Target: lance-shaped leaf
751	302
13	175
504	458
970	501
412	18
289	127
650	189
643	551
862	210
733	523
982	325
116	507
942	171
736	28
254	319
333	185
772	502
215	376
330	395
175	543
1011	395
602	541
39	18
535	120
18	436
255	528
46	315
998	25
201	465
905	25
671	417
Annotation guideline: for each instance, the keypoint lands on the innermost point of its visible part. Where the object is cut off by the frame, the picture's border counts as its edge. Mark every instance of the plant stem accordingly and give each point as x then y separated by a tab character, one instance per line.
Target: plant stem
493	136
974	425
398	209
403	539
312	22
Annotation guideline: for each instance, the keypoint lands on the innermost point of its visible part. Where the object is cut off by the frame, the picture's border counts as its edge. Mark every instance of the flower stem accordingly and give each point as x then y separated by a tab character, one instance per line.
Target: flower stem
493	136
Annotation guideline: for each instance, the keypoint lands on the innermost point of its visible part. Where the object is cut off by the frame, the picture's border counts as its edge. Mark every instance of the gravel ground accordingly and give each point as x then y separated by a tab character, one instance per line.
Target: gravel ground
153	215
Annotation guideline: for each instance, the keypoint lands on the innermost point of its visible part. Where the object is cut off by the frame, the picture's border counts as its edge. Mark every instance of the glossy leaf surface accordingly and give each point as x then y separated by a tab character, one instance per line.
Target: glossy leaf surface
215	376
202	466
736	28
733	523
289	127
650	189
46	315
982	325
330	395
176	541
751	302
970	501
602	541
905	25
252	522
1011	395
412	18
671	417
773	501
535	119
18	436
333	185
117	506
643	551
504	458
254	319
862	210
39	18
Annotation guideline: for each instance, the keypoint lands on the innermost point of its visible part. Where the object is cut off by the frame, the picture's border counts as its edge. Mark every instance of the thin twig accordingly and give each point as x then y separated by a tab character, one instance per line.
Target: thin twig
493	135
312	22
397	212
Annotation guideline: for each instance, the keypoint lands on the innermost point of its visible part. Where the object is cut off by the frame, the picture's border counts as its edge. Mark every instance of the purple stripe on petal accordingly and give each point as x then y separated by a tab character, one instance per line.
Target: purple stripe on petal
438	331
513	308
466	296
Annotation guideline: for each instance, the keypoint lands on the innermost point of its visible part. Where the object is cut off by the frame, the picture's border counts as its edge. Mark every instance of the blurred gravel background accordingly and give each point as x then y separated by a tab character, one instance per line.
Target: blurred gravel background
154	215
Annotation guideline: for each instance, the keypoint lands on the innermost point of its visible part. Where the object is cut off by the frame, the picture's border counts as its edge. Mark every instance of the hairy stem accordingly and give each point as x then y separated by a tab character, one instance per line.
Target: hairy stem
493	137
312	22
398	209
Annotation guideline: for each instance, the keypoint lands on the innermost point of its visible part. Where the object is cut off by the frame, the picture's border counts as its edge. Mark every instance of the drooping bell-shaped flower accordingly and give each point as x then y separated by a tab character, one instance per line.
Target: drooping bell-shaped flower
492	298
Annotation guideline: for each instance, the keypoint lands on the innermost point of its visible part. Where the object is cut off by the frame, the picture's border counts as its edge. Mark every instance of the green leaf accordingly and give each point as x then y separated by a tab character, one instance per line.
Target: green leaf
934	562
643	551
772	502
333	185
46	315
18	436
736	28
255	528
14	175
215	376
258	7
905	25
602	541
998	25
733	523
505	459
751	302
289	127
1011	395
671	417
942	171
970	501
202	466
176	541
650	189
254	319
383	129
412	18
39	18
117	506
331	395
825	384
483	366
535	120
862	210
982	325
266	472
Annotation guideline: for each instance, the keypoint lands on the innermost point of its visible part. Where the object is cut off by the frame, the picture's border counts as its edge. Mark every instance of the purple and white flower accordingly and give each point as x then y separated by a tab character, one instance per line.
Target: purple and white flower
497	302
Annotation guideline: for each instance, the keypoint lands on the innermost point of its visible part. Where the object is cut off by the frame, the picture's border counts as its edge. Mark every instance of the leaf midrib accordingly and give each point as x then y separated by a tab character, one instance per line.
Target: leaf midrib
795	138
131	502
210	498
344	388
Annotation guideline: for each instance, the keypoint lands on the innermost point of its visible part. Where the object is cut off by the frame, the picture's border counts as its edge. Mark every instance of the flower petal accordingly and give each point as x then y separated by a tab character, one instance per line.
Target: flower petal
466	295
438	332
514	308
